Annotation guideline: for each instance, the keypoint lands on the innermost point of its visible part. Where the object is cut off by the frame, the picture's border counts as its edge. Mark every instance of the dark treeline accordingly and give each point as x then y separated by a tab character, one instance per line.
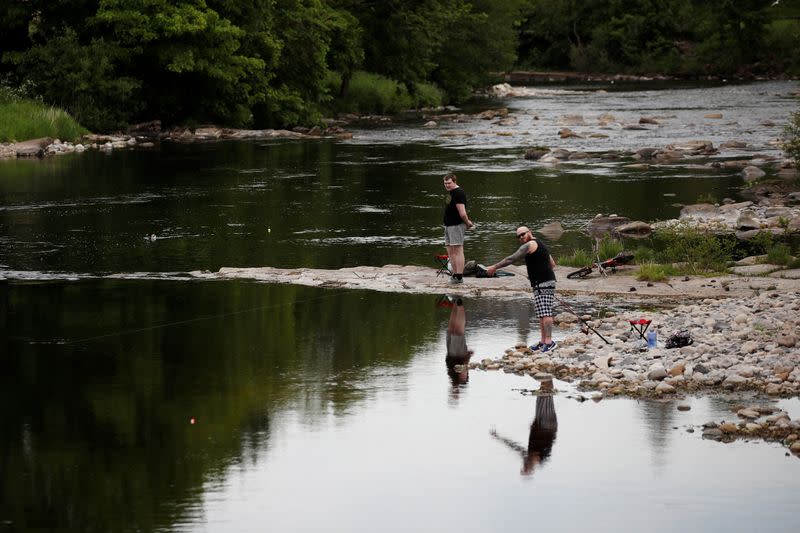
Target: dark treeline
267	63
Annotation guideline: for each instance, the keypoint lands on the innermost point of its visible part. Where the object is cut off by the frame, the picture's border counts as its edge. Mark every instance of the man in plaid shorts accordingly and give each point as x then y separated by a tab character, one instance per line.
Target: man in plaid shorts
540	266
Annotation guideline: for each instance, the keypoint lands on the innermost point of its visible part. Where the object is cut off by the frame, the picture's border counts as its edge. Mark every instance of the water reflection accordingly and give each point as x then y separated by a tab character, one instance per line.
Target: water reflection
543	431
458	355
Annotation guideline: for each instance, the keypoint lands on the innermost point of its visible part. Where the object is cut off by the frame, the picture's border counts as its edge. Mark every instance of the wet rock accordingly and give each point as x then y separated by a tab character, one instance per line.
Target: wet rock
648	120
728	427
535	154
636	228
751	173
553	231
683	407
664	388
748	413
431	124
566	133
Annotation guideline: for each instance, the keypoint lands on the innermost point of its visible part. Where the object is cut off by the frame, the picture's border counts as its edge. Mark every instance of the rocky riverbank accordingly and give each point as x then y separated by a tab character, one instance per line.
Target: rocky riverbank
747	343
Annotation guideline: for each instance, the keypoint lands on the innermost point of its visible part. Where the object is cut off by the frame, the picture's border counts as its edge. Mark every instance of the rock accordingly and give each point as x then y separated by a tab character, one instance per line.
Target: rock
746	221
683	407
713	115
566	133
566	318
712	433
656	372
795	447
32	148
733	144
728	427
733	381
431	124
751	173
634	228
699	212
604	361
749	347
602	225
748	413
645	153
552	231
647	120
677	370
490	114
787	340
664	388
535	154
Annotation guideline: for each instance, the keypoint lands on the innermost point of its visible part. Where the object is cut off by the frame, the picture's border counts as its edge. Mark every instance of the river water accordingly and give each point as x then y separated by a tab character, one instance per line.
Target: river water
164	405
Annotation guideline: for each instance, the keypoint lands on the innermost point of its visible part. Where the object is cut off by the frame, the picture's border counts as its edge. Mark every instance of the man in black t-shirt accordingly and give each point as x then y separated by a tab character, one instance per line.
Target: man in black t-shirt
540	266
456	222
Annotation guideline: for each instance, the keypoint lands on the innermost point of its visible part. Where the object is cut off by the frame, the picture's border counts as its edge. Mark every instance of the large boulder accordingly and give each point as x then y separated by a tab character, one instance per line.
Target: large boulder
552	231
634	229
600	225
751	173
32	148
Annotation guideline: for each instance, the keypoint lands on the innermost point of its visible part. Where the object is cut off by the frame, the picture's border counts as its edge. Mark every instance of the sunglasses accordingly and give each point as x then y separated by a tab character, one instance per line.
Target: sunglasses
520	235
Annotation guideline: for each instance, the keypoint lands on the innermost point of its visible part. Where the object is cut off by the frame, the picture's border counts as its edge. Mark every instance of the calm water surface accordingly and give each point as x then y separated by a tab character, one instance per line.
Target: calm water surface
144	405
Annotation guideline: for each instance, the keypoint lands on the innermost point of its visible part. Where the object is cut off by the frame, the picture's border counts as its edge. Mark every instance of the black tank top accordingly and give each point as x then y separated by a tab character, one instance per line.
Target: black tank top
538	263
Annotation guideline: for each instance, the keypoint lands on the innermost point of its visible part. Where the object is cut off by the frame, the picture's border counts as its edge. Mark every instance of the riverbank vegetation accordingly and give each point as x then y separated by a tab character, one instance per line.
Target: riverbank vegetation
24	118
682	250
279	63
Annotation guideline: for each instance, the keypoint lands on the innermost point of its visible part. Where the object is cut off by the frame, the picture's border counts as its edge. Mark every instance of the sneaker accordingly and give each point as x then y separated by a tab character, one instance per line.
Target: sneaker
536	347
548	347
456	281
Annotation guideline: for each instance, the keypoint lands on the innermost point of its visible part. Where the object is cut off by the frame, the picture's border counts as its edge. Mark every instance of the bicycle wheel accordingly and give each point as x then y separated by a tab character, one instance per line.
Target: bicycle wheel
582	273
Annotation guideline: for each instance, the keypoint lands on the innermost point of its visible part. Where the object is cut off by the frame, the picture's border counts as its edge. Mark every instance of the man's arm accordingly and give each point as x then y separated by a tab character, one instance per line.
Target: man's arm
462	212
519	255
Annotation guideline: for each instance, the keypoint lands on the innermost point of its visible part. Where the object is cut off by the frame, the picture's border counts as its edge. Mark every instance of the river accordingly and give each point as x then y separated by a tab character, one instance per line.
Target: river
167	405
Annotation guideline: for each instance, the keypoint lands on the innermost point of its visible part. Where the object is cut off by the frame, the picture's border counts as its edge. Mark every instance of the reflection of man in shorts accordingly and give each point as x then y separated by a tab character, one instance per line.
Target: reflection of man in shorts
456	222
458	354
540	266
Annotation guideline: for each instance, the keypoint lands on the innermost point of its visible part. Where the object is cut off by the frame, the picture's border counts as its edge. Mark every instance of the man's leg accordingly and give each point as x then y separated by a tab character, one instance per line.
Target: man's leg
546	325
456	254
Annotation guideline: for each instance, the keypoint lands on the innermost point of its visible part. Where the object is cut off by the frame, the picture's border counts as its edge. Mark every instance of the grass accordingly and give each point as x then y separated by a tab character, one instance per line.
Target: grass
22	119
654	272
779	254
608	248
578	258
371	93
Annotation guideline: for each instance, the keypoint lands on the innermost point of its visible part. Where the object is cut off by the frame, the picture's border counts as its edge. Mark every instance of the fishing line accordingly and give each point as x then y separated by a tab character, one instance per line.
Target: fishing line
191	320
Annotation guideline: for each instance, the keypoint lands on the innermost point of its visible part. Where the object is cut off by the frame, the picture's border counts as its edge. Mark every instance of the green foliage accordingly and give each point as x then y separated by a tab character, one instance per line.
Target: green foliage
578	258
372	93
791	138
779	254
83	79
608	247
706	198
653	272
644	254
22	119
694	250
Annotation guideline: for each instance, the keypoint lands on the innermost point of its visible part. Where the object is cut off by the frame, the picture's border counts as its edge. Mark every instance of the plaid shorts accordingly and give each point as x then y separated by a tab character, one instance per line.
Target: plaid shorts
544	296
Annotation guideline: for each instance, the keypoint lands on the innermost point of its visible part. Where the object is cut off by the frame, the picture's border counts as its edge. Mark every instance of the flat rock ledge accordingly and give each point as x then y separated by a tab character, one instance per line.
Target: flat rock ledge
148	137
763	422
423	280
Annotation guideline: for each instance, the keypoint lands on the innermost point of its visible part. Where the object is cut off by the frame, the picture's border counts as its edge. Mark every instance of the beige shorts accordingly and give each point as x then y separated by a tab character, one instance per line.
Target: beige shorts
454	235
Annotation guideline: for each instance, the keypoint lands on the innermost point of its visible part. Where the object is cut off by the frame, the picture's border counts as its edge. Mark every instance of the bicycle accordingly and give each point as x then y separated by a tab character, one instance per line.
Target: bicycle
621	258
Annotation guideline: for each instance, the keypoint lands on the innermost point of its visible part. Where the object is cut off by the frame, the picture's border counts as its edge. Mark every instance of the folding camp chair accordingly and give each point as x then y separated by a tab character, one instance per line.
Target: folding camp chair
442	260
640	326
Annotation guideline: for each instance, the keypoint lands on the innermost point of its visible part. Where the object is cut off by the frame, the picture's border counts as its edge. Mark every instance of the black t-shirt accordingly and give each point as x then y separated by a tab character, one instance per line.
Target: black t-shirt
451	216
538	263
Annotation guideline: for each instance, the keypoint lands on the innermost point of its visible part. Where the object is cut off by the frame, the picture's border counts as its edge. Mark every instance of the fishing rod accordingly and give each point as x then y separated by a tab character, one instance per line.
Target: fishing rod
586	324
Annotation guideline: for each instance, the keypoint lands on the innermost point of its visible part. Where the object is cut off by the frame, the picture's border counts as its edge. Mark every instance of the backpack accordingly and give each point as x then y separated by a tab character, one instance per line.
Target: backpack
679	339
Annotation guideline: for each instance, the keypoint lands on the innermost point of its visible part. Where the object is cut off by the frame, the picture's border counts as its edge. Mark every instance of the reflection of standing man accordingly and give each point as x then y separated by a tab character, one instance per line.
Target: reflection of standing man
540	265
543	432
456	222
457	359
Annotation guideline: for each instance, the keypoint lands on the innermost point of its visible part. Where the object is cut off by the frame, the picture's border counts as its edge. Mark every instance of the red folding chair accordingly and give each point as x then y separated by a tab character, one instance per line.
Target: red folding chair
442	260
640	326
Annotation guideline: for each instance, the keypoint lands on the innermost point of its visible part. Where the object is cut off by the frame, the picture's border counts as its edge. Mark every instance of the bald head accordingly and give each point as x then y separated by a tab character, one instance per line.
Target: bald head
524	234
